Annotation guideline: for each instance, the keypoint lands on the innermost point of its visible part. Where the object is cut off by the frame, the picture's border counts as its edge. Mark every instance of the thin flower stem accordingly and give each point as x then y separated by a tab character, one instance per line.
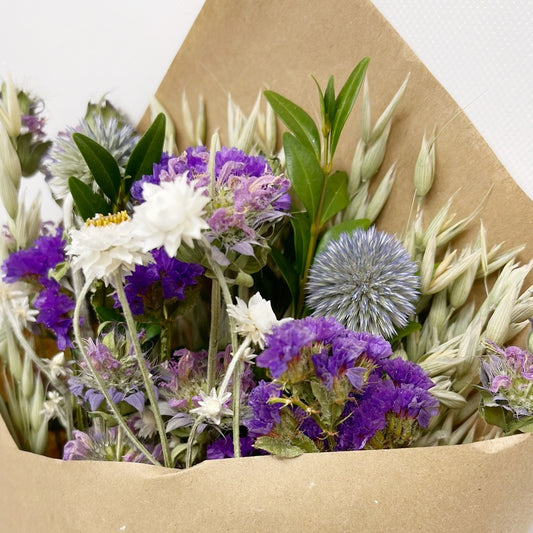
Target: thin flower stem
234	344
190	441
101	384
213	334
231	367
147	380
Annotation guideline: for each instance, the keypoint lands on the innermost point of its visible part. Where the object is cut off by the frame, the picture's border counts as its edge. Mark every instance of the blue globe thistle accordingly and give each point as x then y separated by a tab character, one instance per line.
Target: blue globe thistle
366	280
65	160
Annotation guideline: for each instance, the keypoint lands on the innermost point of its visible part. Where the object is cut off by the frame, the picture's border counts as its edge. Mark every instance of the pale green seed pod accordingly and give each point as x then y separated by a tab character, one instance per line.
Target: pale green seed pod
28	377
366	120
381	195
188	123
36	405
354	180
387	114
245	140
462	287
169	144
374	155
201	122
424	173
10	113
427	265
448	398
39	438
271	130
14	362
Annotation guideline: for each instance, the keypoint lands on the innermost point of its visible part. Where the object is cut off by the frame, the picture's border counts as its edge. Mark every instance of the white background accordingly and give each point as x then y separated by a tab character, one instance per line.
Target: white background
70	52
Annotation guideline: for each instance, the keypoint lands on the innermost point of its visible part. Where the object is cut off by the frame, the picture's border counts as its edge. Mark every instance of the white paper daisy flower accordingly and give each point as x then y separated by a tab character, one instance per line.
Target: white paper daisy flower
255	319
105	246
172	213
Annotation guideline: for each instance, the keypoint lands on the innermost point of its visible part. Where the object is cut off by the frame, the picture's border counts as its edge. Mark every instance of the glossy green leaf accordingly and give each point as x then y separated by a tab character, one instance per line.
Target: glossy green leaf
411	327
329	100
348	226
147	151
102	165
289	273
301	227
304	172
345	101
323	117
87	202
336	196
297	120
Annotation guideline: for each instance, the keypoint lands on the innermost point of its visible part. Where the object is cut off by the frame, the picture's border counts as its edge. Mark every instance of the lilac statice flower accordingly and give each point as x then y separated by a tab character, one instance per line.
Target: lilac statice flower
102	444
246	198
507	383
366	280
148	286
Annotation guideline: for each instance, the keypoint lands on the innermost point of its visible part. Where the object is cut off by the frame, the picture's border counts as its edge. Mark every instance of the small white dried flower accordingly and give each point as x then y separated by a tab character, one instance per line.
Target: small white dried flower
255	319
211	406
171	214
51	407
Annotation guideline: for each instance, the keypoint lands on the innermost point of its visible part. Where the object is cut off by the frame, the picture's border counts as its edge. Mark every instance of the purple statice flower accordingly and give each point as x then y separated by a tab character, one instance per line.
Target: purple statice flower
55	310
366	280
222	448
33	263
403	372
265	414
100	444
193	161
165	278
507	380
386	416
334	351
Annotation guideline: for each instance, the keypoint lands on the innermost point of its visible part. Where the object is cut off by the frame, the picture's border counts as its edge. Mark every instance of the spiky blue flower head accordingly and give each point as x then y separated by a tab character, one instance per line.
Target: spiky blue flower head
116	135
366	280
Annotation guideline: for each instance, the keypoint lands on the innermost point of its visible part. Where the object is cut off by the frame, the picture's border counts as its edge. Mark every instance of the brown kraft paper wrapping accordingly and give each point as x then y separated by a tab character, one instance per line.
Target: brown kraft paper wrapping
242	48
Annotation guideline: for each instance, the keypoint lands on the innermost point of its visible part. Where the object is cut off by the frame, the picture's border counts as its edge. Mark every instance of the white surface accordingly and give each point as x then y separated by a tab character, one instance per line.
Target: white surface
480	50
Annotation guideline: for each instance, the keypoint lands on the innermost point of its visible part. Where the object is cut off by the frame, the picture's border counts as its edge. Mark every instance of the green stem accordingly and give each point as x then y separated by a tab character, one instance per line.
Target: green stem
190	441
147	380
213	335
101	384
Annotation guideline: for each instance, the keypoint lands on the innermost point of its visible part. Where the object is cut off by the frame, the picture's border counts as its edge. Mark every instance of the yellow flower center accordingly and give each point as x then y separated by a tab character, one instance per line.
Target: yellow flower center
106	220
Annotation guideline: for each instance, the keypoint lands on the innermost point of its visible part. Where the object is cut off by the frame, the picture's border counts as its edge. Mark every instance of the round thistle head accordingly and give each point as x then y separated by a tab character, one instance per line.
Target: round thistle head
366	280
65	159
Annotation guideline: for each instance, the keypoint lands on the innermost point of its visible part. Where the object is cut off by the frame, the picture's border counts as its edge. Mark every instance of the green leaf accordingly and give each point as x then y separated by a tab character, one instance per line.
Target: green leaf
147	151
102	165
335	196
304	172
290	275
280	446
87	202
297	120
346	100
106	314
301	227
323	116
329	100
348	226
405	331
